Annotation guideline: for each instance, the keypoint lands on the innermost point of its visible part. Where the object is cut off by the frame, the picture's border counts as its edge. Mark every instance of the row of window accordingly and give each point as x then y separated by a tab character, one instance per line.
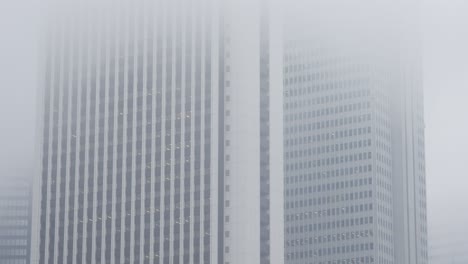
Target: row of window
331	199
322	175
13	242
303	231
324	112
331	251
7	251
305	165
321	93
325	187
325	149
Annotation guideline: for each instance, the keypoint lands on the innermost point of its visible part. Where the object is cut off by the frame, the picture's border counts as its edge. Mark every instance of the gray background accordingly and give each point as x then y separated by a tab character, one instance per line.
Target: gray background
445	48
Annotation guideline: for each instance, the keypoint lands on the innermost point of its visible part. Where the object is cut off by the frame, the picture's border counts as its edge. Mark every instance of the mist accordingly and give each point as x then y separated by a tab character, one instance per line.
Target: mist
431	34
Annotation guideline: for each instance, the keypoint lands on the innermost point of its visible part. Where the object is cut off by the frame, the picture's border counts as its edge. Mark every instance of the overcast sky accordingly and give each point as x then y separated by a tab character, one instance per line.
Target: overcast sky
18	78
446	111
445	31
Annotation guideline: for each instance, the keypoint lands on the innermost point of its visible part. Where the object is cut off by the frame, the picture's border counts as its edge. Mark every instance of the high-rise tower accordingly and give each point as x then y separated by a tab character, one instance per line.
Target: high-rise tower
354	136
354	162
153	113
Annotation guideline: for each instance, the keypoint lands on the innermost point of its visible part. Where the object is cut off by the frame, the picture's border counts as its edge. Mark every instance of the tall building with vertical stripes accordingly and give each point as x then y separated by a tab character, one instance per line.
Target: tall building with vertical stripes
161	131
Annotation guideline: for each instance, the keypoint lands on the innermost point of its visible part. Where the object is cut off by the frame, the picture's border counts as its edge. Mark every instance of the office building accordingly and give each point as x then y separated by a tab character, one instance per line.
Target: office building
354	164
15	219
157	134
353	141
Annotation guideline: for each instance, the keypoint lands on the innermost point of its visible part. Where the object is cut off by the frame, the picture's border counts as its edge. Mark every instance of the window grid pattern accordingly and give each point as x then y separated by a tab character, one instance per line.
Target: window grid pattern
338	183
15	220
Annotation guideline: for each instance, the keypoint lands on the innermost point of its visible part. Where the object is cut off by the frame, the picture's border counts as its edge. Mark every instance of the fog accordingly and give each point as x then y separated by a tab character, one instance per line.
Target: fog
444	49
445	40
18	75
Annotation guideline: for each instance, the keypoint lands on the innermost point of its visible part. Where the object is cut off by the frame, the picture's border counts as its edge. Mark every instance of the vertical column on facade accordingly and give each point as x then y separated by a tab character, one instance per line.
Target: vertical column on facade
113	135
213	96
109	144
136	111
84	159
145	105
75	146
134	87
243	158
81	134
200	112
92	87
123	130
140	211
46	147
106	121
56	146
188	134
131	133
69	121
159	60
192	115
117	90
158	132
39	205
151	164
174	28
180	146
225	131
185	140
170	132
199	134
165	35
98	114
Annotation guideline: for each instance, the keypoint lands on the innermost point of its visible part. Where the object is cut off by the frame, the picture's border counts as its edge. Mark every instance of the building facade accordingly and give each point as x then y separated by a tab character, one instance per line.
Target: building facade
354	136
15	220
151	152
354	161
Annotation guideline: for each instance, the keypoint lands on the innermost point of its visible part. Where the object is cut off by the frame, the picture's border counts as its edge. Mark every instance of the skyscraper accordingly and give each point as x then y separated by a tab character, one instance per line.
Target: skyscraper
349	195
15	219
353	138
153	114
